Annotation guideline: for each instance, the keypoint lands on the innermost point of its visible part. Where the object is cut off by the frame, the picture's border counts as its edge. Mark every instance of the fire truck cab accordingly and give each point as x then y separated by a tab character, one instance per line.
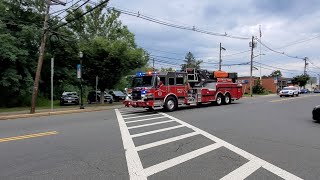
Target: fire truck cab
192	87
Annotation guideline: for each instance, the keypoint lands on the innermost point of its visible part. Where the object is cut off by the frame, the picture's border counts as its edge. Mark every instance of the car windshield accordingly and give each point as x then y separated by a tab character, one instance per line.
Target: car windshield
69	94
289	88
143	81
118	93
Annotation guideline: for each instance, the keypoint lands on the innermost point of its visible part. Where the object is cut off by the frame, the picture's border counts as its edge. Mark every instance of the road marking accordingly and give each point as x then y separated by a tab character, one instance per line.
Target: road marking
128	122
156	131
151	124
250	157
135	168
140	116
180	159
28	136
243	172
165	141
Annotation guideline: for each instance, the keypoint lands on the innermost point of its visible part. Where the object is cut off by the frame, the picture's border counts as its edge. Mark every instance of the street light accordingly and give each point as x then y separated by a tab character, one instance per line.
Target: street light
80	56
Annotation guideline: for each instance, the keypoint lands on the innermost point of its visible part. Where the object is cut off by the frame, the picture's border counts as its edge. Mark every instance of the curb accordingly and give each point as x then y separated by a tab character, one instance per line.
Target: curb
10	117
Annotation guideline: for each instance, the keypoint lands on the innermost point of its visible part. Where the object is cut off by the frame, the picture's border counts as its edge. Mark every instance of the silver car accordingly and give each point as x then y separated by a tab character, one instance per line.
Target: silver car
289	91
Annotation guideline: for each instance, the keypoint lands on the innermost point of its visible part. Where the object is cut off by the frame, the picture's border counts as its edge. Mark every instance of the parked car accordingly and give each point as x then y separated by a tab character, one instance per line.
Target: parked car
118	95
92	97
289	91
316	113
69	98
316	91
304	91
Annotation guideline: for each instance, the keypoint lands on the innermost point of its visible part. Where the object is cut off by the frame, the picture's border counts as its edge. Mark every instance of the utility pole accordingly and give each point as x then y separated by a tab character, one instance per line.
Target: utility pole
40	59
305	66
220	60
251	65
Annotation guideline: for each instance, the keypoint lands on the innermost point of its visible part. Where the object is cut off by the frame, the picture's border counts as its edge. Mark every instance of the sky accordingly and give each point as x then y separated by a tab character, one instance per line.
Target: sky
283	22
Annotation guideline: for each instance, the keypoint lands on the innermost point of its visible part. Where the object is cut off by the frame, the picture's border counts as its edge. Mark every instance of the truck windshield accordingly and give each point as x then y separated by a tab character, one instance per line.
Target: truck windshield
143	81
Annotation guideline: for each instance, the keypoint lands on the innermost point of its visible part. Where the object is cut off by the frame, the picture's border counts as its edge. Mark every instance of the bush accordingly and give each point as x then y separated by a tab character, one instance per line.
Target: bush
258	89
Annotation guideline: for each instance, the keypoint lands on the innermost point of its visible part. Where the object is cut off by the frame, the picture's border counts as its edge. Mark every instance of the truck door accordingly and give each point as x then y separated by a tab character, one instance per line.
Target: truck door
180	86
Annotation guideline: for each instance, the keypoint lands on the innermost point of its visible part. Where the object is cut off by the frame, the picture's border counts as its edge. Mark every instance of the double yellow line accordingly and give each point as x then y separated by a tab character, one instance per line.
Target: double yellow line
28	136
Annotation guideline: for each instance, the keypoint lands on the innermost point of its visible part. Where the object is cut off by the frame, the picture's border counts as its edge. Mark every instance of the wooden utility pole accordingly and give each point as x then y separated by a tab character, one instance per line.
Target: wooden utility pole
251	65
40	59
305	66
220	60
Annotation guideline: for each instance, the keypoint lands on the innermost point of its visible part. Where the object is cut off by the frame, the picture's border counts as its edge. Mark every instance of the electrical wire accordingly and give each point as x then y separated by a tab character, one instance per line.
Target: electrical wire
83	14
283	53
65	10
154	20
227	55
299	42
74	10
313	64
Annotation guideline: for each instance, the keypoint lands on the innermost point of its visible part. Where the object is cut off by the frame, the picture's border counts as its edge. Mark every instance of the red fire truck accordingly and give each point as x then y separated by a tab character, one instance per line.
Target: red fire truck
192	87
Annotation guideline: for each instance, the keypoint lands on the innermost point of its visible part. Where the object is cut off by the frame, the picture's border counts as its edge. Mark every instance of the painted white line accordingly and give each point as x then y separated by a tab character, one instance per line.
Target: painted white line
150	124
250	157
130	114
132	117
165	141
243	172
180	159
156	131
128	122
134	164
280	172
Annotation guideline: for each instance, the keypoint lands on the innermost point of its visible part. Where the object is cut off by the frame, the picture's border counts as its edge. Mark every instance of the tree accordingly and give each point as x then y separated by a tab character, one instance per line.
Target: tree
276	73
109	48
301	80
20	32
190	62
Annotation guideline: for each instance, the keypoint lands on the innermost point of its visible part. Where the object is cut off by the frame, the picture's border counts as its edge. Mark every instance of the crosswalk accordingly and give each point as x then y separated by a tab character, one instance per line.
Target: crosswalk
137	119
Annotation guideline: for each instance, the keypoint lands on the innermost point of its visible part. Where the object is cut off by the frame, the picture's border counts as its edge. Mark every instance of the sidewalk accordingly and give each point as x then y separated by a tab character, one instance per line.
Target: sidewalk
56	111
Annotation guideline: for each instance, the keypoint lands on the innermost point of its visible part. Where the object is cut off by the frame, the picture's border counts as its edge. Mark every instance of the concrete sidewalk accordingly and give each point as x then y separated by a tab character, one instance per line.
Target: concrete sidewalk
57	111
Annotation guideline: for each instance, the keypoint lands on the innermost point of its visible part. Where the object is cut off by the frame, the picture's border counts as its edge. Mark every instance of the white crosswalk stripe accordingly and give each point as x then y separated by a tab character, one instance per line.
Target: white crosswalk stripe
136	170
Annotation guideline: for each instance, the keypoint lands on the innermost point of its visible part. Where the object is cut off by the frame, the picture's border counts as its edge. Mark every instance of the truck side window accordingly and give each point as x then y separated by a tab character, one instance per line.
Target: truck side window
163	79
171	81
179	81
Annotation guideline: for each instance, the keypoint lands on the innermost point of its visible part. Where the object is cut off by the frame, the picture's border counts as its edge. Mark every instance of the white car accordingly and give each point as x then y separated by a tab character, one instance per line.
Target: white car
289	91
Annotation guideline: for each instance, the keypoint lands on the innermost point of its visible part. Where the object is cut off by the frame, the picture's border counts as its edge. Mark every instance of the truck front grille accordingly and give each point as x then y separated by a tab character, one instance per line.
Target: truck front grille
136	95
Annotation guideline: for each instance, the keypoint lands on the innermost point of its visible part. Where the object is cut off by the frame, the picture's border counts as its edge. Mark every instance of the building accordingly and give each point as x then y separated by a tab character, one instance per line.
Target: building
271	84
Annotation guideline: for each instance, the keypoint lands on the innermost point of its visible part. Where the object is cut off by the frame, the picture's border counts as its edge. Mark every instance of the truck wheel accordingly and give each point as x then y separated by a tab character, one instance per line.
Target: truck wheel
227	99
219	100
170	104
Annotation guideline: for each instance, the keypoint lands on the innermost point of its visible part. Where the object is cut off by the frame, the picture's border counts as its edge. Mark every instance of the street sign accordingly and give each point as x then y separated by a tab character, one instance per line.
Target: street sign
78	71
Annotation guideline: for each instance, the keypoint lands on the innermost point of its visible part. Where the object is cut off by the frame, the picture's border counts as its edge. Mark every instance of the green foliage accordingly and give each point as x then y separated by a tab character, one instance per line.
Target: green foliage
258	88
191	62
301	80
276	73
109	51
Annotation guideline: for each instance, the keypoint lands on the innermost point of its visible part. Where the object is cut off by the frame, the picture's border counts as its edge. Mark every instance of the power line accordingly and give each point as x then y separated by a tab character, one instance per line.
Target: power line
83	14
283	53
299	42
65	10
236	53
313	64
154	20
74	10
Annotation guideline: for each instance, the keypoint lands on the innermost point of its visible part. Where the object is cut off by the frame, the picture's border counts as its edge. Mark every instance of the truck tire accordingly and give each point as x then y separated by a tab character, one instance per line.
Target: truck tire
170	104
218	101
226	99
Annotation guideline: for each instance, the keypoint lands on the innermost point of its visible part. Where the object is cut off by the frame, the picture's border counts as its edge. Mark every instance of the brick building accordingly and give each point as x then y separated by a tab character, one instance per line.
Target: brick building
269	83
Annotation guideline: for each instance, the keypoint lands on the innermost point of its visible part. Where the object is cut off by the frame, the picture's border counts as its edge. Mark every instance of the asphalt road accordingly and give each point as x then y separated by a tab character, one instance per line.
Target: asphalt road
253	138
